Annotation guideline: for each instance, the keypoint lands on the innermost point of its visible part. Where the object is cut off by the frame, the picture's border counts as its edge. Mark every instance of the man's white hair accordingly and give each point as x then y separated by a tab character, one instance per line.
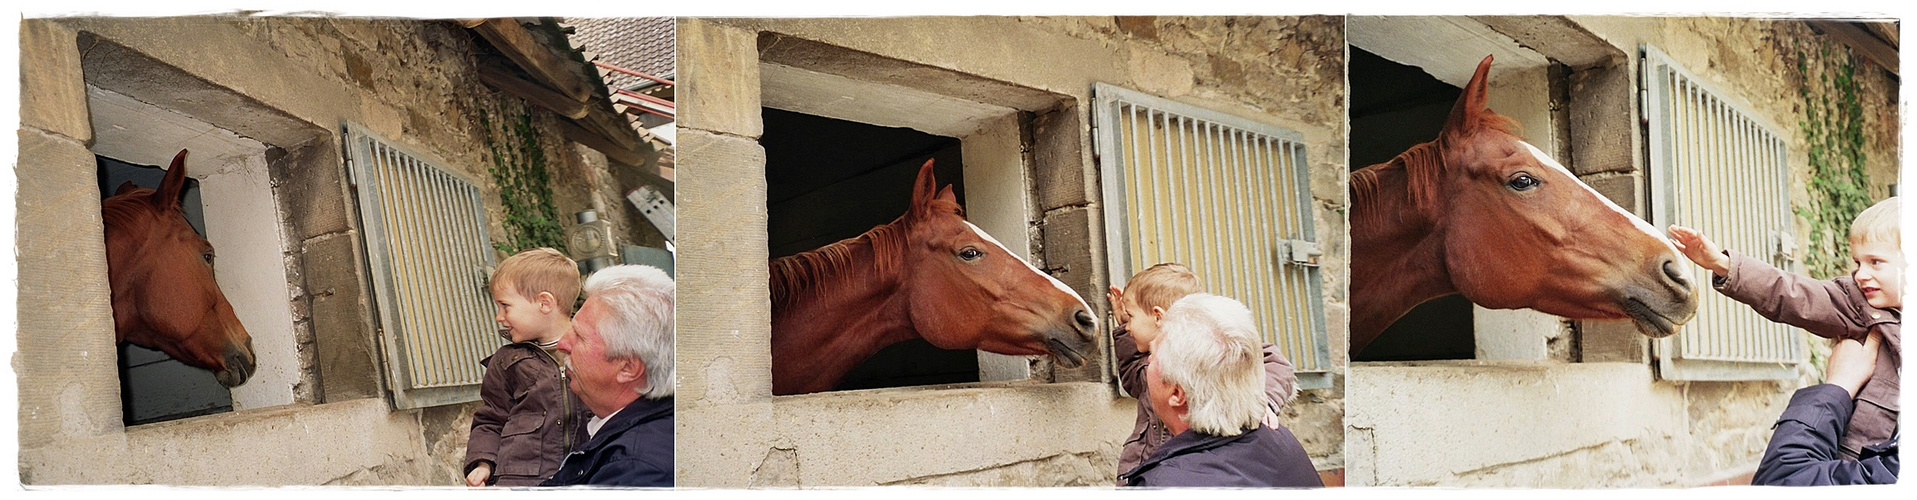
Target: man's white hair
638	321
1209	346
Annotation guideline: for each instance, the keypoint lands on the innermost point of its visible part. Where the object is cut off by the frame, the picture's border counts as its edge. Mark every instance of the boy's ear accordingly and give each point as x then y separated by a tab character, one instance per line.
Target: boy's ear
1158	313
547	303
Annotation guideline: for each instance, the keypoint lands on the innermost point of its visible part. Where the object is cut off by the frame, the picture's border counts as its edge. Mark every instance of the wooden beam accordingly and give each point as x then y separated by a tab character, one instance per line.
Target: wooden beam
1863	43
539	61
611	149
500	78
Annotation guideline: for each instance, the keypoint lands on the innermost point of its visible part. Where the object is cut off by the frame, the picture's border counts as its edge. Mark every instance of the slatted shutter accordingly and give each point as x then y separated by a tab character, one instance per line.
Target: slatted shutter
1227	196
425	229
1717	168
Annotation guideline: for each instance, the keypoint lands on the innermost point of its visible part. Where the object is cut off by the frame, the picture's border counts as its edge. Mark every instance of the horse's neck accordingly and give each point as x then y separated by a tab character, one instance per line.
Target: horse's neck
819	335
123	241
1397	254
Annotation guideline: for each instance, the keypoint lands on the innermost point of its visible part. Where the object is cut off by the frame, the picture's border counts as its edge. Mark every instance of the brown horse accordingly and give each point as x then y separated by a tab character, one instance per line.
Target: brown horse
929	274
1480	212
161	273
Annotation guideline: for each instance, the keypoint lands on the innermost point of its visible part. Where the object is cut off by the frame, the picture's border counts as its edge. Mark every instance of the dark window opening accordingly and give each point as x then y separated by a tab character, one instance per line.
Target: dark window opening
828	180
155	387
1393	107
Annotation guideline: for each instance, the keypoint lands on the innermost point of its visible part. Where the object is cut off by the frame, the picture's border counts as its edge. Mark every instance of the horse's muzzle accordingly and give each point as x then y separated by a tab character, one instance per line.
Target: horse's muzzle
239	367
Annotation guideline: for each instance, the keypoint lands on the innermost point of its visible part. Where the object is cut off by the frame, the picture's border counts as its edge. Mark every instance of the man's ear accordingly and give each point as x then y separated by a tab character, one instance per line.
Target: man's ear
1177	398
631	370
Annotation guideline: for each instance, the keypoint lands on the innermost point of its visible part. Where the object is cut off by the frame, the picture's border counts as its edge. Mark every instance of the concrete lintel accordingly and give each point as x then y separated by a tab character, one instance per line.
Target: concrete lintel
124	70
1556	37
798	52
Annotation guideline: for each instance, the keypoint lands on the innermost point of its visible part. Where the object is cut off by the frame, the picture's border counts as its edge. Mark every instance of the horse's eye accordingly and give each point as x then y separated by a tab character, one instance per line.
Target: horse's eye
969	254
208	257
1523	182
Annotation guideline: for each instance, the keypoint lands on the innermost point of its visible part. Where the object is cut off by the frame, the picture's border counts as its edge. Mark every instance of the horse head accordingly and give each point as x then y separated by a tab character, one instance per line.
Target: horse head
965	290
1521	231
161	274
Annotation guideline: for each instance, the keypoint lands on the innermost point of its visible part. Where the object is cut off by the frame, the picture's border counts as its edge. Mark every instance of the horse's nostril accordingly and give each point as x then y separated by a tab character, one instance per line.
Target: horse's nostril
1675	273
1085	319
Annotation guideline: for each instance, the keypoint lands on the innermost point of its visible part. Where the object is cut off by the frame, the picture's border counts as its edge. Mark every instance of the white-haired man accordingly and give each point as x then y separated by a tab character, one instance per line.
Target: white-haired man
619	353
1206	383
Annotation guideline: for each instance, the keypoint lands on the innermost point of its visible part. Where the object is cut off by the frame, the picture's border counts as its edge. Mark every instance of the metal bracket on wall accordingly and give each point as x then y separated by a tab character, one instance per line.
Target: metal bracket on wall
1302	253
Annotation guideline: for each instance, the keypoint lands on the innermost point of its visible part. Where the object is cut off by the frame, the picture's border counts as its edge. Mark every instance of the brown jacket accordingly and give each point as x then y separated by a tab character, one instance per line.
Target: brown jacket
1148	433
529	419
1831	309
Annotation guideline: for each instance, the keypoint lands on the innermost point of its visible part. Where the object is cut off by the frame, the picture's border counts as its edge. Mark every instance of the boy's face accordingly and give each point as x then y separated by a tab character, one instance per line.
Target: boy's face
1880	273
522	318
1143	325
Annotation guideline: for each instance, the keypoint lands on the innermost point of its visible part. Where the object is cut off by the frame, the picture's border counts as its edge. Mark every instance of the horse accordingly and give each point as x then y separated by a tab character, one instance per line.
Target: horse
161	275
1479	212
928	274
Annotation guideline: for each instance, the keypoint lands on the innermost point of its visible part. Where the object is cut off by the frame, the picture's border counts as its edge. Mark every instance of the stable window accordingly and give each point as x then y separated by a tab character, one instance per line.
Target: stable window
1227	196
1717	168
430	257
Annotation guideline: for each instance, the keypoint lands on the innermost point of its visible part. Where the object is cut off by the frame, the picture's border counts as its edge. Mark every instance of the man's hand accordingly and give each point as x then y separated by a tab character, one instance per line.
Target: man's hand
1117	299
478	476
1852	363
1701	250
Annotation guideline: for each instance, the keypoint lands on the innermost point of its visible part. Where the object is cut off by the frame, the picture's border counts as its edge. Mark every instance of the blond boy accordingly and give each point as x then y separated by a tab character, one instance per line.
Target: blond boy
1139	309
1852	307
530	418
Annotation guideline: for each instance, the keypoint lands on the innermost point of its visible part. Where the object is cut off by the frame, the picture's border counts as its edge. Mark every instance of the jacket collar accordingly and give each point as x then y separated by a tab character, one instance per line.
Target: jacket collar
639	411
1190	441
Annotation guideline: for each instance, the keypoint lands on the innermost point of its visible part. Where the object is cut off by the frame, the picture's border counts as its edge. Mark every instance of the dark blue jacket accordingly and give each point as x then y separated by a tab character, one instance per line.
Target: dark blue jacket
1261	457
632	449
1803	448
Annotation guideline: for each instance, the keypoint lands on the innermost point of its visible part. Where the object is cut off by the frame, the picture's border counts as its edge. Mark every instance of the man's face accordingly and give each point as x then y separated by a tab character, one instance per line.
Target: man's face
595	378
1167	400
1879	274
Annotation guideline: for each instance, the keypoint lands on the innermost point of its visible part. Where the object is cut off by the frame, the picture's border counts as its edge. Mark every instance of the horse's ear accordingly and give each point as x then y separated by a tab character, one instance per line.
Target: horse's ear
1470	108
945	194
925	188
168	196
124	187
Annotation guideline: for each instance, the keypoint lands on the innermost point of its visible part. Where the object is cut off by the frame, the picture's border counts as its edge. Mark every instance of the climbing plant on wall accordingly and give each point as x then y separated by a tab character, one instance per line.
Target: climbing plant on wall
1833	125
519	170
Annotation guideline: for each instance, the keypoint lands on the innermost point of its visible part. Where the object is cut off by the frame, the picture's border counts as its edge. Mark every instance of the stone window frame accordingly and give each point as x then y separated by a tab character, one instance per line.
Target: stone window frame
1044	195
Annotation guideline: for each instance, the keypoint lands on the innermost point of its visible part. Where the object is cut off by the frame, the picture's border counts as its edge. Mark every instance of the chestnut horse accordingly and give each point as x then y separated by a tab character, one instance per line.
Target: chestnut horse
929	274
161	274
1480	212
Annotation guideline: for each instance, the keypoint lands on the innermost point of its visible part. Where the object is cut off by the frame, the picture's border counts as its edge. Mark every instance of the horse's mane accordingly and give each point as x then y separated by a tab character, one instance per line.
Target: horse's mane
127	208
807	272
1424	170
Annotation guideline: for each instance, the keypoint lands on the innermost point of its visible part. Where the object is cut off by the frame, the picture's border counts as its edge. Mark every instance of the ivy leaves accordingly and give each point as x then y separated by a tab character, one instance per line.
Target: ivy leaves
525	186
1833	126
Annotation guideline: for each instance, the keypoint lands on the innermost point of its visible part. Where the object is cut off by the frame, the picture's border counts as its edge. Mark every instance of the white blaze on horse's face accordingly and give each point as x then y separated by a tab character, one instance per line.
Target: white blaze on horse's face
1637	222
1028	265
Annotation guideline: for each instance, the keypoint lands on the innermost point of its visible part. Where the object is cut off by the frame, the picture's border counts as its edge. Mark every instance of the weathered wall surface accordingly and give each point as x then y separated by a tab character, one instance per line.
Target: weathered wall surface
1554	424
289	83
733	433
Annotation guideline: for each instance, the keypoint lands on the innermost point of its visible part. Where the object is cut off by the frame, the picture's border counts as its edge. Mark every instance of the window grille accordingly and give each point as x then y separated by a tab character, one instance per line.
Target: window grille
426	242
1227	196
1716	168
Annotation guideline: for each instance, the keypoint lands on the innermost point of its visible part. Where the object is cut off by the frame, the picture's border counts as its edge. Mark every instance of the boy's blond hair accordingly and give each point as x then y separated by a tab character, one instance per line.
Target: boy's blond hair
540	270
1161	285
1877	224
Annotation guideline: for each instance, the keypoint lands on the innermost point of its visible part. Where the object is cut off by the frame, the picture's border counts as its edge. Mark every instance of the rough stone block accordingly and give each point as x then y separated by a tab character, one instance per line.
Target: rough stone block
312	189
1601	341
69	383
1060	159
725	323
719	72
342	318
53	94
1067	238
1603	121
1624	190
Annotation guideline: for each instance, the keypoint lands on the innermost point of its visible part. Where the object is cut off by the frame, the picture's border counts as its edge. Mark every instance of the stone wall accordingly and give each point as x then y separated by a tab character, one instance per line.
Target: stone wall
289	83
1063	427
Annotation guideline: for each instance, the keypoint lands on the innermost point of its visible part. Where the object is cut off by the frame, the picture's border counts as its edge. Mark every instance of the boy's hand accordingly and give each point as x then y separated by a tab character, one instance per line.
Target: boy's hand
1852	363
478	476
1117	299
1701	250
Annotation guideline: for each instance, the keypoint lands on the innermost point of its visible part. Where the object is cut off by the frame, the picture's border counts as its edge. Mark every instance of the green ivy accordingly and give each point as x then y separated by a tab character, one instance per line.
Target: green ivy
525	186
1833	125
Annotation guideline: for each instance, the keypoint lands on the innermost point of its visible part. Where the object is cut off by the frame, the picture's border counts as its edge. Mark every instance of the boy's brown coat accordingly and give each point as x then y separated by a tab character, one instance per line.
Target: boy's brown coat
529	419
1829	309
